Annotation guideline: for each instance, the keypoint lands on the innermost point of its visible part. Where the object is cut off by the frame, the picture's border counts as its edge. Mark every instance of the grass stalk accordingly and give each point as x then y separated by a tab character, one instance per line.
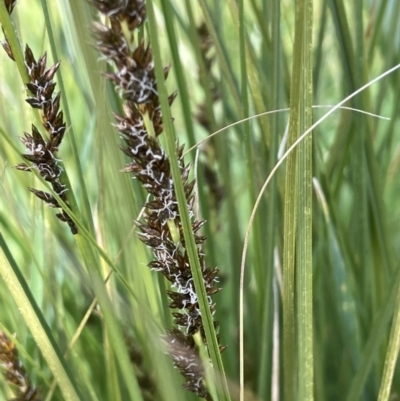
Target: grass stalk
315	317
391	355
213	347
304	287
5	21
87	215
35	321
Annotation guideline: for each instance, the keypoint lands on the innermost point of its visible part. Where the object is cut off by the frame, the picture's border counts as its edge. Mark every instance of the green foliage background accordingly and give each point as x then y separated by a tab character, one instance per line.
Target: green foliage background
354	270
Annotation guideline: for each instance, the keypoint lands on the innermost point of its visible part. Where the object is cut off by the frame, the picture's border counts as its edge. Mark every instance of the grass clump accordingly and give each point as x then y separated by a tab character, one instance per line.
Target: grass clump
305	240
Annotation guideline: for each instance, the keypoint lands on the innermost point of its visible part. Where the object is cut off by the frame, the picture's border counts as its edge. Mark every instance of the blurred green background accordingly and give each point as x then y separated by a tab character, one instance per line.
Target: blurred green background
356	191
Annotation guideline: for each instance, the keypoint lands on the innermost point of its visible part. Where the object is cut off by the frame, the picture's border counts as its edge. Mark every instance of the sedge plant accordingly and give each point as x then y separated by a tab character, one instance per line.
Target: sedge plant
199	200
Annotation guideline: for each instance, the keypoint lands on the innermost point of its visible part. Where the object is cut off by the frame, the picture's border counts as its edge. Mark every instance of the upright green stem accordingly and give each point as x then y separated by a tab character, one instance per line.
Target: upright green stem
248	147
305	359
191	247
391	354
298	278
71	135
36	322
12	38
9	31
276	82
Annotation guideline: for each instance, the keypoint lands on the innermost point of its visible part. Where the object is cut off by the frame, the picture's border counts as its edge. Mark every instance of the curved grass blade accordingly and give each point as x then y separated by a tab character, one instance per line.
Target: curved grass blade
391	354
342	282
34	319
9	31
87	213
187	114
215	355
373	344
112	325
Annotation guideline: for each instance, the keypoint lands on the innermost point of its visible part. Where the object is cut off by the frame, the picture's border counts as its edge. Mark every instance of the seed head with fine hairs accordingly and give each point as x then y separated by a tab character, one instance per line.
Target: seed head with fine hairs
161	229
41	152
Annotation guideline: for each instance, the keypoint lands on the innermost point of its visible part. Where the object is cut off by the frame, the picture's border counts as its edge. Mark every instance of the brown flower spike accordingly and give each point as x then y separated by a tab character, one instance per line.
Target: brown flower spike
15	373
144	378
41	152
140	126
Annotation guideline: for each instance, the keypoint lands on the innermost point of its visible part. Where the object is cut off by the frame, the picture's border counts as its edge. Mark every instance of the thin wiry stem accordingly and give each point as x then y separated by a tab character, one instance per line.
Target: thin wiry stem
268	180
